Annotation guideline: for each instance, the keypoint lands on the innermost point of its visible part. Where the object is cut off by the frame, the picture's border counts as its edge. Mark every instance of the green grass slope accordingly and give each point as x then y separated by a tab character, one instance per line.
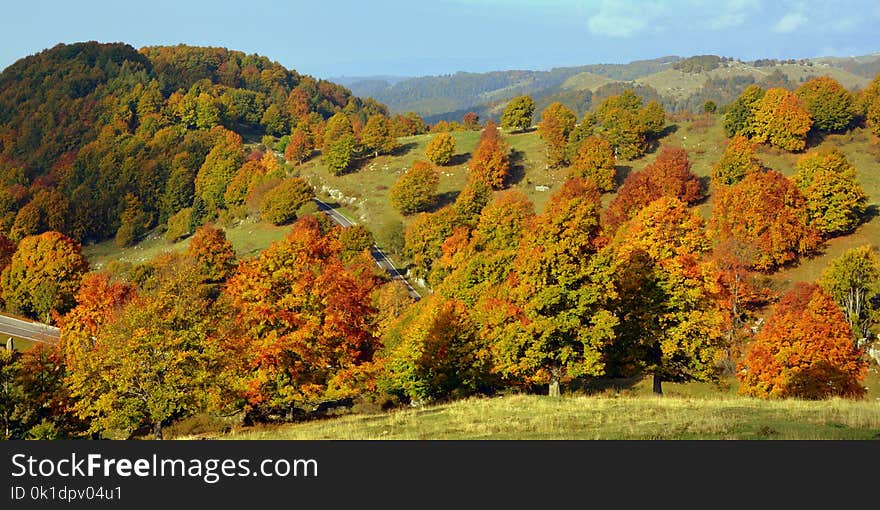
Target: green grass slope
585	81
684	413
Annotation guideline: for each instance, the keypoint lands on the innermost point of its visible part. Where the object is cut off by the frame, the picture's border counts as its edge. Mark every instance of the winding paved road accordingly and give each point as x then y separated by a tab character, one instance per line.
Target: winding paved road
33	331
379	256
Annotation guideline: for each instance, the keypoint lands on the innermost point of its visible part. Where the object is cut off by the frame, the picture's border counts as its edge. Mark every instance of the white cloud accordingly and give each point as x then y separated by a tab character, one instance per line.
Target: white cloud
790	22
732	13
845	24
624	18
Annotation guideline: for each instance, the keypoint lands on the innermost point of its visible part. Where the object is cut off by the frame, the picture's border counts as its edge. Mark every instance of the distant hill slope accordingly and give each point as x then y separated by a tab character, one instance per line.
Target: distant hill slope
679	83
437	95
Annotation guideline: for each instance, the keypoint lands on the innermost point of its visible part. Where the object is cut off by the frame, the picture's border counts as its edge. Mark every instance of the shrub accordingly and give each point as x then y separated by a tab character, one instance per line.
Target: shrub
280	205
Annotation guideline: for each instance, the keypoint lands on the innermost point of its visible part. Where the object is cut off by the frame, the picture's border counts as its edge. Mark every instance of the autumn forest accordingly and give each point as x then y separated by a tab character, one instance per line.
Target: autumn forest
555	246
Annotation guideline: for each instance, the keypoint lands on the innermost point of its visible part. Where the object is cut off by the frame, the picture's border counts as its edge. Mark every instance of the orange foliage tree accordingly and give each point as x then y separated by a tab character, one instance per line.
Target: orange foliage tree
491	158
43	275
767	213
213	253
804	351
782	120
300	146
557	122
595	160
302	323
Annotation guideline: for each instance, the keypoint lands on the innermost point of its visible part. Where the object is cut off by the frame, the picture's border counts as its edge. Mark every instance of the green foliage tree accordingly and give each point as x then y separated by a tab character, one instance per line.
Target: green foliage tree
853	281
739	118
440	149
133	222
873	116
280	205
274	120
739	159
416	190
830	105
179	191
438	355
670	323
627	125
355	240
377	137
217	171
582	130
654	119
178	225
835	200
424	237
558	325
154	361
339	154
517	115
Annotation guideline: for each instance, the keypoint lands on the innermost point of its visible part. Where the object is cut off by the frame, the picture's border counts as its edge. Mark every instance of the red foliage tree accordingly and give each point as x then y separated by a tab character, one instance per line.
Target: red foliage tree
668	176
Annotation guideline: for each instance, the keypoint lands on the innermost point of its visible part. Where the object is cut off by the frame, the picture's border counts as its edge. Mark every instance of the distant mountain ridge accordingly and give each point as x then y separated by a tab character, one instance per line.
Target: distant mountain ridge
678	83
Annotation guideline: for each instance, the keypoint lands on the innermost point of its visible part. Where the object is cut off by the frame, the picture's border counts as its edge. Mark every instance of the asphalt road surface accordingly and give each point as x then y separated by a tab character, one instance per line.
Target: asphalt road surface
379	257
33	331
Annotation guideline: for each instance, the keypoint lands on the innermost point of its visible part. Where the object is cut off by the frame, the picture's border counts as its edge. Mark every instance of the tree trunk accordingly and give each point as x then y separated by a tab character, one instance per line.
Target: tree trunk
157	430
658	385
553	389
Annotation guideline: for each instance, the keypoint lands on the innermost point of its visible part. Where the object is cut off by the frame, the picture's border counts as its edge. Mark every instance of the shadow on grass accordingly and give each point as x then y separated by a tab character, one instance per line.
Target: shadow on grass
444	199
404	148
517	168
459	159
593	386
621	172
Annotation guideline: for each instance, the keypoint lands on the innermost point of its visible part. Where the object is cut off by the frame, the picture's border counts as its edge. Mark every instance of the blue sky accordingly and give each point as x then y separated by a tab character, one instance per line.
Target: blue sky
329	38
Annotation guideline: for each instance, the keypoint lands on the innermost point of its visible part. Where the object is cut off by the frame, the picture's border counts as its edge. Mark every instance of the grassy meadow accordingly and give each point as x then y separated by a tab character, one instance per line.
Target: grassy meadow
687	411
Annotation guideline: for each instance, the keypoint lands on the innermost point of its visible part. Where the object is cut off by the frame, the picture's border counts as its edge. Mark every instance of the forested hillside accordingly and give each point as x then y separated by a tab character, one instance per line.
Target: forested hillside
102	140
